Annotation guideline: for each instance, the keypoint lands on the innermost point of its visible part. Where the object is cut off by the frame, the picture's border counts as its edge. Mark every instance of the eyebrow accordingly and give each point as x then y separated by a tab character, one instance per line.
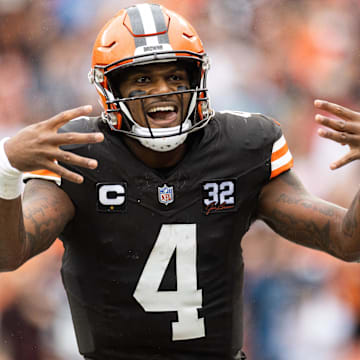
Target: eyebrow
147	71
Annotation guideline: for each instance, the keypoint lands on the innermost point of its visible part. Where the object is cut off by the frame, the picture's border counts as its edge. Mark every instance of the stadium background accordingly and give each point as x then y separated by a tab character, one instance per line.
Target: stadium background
270	56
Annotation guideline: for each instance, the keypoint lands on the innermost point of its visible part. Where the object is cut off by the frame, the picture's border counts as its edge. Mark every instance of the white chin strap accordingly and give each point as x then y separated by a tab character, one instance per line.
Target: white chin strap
162	141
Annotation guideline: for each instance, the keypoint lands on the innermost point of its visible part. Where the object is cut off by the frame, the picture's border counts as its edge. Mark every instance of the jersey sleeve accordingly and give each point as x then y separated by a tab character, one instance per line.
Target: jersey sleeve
261	140
281	158
44	175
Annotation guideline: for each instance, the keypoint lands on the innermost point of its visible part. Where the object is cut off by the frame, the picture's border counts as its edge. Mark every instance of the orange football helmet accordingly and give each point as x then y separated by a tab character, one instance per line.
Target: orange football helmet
145	34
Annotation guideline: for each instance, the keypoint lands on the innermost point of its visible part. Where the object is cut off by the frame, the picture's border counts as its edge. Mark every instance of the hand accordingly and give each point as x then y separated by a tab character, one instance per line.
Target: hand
38	146
345	130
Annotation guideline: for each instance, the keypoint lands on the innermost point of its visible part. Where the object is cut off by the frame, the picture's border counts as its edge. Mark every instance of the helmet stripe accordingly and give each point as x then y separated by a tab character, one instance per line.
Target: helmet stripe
147	19
137	25
160	24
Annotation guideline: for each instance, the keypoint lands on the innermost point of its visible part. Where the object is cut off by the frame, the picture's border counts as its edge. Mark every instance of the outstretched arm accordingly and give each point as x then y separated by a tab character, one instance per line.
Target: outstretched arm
291	211
344	129
30	226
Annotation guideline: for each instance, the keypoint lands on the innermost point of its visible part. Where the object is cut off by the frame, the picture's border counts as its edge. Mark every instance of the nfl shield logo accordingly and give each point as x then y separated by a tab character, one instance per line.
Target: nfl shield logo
166	194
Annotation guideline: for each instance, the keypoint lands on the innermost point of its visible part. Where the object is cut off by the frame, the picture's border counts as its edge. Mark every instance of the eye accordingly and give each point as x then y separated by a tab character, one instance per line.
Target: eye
175	77
143	79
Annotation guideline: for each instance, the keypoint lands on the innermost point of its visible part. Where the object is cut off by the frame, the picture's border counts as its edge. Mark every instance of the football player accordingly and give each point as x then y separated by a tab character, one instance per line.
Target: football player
152	198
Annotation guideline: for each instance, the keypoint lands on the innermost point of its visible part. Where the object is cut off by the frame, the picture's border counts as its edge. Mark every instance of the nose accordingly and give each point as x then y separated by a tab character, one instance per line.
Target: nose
160	86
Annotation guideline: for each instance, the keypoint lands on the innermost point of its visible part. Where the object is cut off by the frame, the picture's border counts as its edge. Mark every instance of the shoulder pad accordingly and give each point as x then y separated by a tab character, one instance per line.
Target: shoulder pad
244	115
254	129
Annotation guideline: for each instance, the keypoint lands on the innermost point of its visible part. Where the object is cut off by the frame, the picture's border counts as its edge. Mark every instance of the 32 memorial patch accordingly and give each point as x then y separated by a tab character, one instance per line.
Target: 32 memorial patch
111	197
218	196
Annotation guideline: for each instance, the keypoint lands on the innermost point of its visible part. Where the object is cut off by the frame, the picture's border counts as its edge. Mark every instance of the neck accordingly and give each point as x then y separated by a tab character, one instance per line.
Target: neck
155	159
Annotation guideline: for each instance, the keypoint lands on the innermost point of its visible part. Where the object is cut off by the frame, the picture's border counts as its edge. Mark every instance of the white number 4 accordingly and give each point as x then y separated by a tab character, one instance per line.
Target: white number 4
187	299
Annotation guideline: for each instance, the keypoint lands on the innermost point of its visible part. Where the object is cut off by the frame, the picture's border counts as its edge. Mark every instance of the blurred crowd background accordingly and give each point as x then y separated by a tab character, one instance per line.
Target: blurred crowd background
270	56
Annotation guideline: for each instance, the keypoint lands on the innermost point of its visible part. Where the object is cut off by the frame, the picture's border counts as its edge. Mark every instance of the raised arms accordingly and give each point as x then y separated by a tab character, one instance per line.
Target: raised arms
290	210
30	226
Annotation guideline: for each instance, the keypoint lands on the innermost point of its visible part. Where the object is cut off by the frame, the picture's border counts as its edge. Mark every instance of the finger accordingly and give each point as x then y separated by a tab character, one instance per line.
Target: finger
73	159
62	118
332	135
340	137
348	158
77	138
337	124
338	110
65	173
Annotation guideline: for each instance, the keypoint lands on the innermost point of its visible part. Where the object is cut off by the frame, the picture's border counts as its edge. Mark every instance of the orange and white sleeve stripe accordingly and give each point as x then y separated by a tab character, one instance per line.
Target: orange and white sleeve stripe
281	158
43	174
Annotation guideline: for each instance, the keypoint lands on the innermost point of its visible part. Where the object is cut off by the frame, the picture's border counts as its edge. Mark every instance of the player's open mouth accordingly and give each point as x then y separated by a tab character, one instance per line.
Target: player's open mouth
165	114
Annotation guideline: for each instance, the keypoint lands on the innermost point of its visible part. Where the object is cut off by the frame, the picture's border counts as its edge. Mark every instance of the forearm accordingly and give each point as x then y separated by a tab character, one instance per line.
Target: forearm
12	235
298	216
30	227
350	231
333	229
311	222
325	227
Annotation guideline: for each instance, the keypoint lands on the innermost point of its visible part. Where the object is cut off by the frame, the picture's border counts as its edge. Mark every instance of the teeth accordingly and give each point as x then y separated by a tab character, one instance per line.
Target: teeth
162	108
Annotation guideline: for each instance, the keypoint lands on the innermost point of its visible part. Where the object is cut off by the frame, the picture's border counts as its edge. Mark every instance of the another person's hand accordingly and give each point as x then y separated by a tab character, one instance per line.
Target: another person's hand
38	146
345	129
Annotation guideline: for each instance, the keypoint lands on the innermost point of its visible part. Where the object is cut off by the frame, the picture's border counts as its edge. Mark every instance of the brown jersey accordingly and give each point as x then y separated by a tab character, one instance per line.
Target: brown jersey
153	265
